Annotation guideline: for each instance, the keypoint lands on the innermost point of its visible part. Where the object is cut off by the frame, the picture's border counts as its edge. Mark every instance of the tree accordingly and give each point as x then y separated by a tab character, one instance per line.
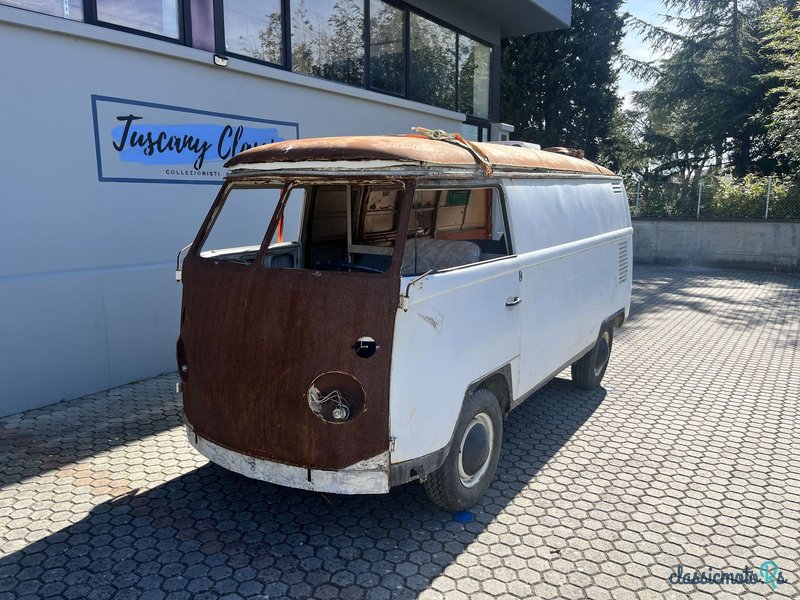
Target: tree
268	44
560	87
782	49
705	97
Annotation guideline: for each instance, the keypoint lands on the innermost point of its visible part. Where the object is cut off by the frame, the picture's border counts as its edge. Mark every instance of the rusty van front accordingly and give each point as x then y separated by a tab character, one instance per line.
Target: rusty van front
285	352
353	312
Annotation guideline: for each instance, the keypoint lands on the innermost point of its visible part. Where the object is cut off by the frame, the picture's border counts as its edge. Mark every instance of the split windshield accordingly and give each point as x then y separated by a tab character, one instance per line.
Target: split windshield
344	227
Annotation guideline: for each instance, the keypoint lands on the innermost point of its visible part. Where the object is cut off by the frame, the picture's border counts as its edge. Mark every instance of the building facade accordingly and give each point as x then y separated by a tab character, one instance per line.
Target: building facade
117	117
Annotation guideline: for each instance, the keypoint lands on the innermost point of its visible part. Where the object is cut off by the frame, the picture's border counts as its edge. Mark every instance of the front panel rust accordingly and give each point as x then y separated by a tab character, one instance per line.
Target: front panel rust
255	339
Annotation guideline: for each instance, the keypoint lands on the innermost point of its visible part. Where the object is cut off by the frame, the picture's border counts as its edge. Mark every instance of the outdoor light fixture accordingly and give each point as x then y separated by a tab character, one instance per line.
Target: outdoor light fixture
220	61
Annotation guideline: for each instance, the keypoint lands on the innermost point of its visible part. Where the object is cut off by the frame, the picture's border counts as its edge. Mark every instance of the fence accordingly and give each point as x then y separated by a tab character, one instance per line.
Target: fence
716	197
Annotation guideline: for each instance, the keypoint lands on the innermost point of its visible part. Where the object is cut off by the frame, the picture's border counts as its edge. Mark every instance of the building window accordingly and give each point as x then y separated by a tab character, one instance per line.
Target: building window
433	63
254	28
73	9
160	17
328	39
474	67
387	48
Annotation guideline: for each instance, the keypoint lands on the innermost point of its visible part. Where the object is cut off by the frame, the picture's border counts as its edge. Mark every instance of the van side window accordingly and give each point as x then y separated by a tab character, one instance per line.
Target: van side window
453	228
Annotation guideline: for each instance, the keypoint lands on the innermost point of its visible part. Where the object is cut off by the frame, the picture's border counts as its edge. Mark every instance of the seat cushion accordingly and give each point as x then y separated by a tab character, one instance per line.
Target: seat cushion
437	254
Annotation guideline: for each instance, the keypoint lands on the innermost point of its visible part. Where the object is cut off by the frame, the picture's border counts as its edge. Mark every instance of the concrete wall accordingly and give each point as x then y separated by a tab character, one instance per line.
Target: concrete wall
759	245
88	298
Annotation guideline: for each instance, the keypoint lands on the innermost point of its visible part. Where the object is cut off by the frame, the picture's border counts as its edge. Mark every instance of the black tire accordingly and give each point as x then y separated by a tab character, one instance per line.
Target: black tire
468	470
587	373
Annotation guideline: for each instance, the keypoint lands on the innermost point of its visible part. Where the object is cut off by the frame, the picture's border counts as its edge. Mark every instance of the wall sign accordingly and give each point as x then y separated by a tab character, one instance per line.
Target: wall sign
156	143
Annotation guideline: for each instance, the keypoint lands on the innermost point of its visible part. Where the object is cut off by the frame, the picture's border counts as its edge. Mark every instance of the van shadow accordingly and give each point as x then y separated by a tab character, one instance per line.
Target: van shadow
210	532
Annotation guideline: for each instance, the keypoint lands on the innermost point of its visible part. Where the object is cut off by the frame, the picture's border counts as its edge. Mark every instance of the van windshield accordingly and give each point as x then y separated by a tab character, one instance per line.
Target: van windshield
347	227
331	227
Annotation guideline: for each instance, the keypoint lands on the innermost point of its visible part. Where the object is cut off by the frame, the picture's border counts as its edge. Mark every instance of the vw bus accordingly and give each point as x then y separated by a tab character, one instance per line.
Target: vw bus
360	312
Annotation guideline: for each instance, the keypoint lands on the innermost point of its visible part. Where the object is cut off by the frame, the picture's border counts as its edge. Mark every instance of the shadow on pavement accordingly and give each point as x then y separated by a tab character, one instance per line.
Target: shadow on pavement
210	532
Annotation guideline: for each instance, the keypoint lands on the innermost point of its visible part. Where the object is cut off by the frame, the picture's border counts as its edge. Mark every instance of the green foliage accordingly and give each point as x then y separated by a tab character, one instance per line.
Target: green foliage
559	87
782	50
721	197
704	96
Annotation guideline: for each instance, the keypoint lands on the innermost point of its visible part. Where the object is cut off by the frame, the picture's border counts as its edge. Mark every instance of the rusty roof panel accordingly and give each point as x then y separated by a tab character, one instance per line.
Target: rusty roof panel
413	149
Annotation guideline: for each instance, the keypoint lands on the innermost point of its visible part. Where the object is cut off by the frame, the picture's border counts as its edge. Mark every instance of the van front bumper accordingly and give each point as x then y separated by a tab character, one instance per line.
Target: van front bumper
370	476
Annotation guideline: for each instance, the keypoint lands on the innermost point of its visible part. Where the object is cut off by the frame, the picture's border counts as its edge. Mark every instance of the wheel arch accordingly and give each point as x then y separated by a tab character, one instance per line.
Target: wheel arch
499	383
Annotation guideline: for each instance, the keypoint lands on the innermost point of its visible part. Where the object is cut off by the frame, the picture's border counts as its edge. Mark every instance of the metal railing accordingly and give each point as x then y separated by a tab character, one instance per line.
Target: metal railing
716	197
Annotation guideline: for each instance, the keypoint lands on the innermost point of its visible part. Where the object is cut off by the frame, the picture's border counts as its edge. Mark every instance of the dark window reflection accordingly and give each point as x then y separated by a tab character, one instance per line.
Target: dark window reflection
328	39
153	16
387	57
202	12
254	28
58	8
433	63
474	64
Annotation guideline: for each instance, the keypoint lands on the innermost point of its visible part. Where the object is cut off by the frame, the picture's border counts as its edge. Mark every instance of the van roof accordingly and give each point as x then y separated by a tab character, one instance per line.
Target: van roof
400	152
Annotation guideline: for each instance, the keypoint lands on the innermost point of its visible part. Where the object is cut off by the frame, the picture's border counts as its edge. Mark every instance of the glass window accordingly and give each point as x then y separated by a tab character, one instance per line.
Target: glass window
474	66
387	55
433	63
203	34
153	16
470	132
254	28
73	9
328	39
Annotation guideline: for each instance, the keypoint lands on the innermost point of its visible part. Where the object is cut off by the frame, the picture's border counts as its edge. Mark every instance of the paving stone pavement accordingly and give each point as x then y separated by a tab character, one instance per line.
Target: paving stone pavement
688	456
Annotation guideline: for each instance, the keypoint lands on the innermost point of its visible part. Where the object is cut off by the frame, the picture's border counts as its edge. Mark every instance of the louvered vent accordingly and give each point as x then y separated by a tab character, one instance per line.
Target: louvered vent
623	261
617	187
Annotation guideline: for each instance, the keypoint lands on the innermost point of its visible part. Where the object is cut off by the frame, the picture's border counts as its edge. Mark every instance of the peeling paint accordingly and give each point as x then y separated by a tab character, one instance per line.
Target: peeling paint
434	321
370	476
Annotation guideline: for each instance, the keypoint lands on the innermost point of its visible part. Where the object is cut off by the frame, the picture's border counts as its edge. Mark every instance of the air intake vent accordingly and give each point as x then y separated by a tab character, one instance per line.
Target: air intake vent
623	261
617	187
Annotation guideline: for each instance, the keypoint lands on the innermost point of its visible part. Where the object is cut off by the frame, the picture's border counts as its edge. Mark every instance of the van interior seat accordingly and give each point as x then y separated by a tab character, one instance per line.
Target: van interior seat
437	254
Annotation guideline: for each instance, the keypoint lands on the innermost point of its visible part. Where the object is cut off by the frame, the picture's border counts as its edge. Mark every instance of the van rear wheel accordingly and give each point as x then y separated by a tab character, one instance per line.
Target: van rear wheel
470	465
587	373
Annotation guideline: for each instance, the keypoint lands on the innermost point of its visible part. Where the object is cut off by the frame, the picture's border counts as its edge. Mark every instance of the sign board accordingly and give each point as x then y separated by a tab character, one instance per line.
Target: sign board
156	143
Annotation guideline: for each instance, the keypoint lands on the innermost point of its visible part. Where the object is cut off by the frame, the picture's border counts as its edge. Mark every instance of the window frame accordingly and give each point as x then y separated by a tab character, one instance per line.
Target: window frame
407	9
184	23
472	184
286	35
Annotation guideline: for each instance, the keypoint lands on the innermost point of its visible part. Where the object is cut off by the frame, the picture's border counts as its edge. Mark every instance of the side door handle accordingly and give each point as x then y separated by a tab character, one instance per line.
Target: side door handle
513	301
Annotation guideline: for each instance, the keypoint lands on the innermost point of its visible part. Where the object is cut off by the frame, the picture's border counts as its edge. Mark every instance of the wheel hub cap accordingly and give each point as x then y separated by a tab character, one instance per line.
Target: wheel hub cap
475	450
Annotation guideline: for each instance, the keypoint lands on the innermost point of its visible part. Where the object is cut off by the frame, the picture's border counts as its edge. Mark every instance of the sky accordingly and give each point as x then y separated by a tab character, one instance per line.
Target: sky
634	46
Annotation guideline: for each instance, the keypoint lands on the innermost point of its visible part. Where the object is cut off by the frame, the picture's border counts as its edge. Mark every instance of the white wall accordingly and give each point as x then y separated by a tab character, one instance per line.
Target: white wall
88	298
762	245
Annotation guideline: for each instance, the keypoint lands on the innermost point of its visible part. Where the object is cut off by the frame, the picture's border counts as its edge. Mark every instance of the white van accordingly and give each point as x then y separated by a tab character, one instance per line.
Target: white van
361	312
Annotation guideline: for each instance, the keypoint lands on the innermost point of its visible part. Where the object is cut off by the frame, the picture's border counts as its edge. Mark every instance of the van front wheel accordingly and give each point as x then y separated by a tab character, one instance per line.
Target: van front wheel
470	465
587	373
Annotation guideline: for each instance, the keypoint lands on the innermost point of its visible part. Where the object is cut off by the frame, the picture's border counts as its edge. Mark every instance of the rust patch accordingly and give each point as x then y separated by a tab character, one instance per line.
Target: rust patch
414	149
255	339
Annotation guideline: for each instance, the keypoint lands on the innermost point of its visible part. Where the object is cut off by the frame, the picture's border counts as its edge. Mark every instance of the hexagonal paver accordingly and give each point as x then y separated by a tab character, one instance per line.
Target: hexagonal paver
686	458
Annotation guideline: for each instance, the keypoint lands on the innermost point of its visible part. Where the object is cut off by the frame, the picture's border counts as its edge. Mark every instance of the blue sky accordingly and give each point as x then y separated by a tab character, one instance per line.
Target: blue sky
632	44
